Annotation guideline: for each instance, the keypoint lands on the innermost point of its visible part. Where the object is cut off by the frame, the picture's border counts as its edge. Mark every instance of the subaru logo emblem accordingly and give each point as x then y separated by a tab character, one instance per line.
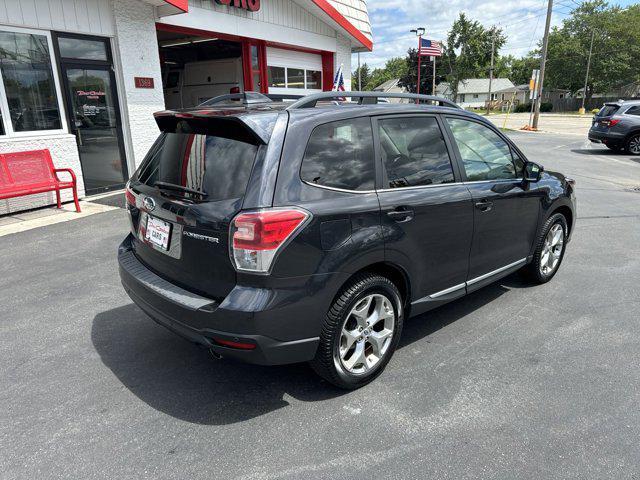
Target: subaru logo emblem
149	203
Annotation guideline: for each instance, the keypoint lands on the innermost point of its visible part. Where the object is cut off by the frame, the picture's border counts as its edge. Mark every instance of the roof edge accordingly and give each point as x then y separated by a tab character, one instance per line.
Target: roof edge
341	20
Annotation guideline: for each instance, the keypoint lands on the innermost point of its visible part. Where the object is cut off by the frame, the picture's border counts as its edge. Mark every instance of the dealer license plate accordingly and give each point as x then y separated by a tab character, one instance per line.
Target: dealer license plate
158	232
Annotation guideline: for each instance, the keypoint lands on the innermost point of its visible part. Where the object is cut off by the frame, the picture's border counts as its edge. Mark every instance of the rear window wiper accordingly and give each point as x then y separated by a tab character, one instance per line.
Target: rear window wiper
180	188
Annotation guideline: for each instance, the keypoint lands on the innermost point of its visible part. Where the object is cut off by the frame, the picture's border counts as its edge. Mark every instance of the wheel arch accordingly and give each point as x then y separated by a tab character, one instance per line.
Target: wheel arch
566	211
393	272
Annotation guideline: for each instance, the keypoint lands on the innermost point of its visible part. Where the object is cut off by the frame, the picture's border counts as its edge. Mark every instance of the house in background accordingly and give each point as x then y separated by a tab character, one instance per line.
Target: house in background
474	92
521	94
391	86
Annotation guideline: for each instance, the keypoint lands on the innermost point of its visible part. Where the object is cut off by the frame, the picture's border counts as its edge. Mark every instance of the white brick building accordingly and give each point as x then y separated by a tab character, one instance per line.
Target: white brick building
83	77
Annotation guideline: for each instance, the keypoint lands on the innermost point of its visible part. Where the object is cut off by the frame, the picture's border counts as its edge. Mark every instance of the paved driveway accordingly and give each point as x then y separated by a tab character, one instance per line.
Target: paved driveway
549	122
513	381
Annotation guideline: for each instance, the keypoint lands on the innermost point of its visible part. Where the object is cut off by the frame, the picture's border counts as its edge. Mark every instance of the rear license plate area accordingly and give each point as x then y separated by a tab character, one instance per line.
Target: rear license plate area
158	232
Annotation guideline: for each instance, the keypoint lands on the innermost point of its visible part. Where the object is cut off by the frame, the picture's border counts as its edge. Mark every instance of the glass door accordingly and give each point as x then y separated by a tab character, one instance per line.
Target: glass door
92	107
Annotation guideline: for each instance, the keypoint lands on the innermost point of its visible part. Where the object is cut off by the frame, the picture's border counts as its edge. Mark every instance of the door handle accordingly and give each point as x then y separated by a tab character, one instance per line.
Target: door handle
484	205
401	214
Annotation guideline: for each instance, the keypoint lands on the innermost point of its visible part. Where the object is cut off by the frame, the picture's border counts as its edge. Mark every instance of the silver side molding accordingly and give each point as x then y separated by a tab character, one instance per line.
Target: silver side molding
495	272
455	288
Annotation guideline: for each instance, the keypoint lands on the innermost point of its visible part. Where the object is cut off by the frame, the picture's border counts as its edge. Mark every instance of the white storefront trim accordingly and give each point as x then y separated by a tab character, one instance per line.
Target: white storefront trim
245	26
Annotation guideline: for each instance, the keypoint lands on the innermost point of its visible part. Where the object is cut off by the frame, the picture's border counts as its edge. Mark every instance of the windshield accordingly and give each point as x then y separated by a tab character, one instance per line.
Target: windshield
205	166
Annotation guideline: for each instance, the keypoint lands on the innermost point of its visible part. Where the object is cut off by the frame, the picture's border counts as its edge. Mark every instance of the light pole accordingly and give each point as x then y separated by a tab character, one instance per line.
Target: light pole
543	64
419	31
586	77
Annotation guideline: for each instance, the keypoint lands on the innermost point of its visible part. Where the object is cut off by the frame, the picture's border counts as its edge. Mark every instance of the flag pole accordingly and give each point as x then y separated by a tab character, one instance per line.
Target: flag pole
433	91
419	57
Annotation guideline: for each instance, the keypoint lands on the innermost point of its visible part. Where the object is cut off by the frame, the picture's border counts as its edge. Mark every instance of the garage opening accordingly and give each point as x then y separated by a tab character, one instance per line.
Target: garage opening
197	68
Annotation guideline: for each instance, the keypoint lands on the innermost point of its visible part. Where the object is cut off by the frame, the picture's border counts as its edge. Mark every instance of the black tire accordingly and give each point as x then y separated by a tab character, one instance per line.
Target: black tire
631	146
327	363
534	270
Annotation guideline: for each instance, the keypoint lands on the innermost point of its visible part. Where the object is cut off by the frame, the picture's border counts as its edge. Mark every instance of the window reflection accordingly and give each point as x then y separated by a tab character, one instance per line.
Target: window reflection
414	152
340	155
25	64
484	154
217	166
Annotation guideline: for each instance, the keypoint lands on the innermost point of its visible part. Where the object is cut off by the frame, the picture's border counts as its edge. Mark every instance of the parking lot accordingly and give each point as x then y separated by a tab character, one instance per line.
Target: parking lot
513	381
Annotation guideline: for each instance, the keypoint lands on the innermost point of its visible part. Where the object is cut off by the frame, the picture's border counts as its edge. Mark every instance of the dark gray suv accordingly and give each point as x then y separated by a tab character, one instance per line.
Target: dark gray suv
277	234
617	126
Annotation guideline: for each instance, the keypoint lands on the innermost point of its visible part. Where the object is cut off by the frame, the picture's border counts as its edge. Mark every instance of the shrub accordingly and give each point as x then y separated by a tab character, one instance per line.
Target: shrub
523	107
526	107
546	106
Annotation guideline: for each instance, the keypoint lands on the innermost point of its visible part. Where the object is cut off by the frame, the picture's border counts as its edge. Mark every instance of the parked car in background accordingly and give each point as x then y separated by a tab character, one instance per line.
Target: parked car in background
617	126
275	233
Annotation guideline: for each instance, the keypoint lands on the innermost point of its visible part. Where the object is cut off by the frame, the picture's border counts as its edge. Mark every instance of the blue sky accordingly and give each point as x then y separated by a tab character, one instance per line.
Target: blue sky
522	21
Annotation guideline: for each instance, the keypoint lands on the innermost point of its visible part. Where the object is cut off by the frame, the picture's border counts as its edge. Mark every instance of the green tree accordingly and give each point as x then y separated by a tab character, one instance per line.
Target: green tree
393	68
616	50
468	51
365	76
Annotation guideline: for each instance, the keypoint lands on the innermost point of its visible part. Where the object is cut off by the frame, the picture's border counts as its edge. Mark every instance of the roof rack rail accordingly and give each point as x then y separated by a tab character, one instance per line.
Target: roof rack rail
244	98
367	98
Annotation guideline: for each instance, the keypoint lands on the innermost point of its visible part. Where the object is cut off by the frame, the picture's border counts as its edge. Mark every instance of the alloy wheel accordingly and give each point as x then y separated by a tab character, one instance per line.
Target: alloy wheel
634	145
366	333
552	249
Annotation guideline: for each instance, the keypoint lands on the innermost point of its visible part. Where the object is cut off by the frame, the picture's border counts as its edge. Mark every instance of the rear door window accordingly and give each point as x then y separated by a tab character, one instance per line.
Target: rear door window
340	155
634	111
414	152
216	166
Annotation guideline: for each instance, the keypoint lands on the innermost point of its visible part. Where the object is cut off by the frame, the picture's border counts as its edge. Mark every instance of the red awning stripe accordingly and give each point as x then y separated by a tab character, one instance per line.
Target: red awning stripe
181	4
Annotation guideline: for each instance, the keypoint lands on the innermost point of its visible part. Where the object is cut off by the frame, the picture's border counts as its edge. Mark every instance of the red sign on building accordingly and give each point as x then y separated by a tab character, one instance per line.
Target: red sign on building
251	5
144	82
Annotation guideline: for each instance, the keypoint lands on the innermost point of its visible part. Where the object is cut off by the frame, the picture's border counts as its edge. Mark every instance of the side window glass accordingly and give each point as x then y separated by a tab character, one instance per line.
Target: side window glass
485	155
340	155
518	162
634	111
414	152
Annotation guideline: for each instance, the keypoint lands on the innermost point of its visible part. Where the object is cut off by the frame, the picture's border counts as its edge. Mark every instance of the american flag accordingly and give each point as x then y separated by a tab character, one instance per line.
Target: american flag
430	48
338	81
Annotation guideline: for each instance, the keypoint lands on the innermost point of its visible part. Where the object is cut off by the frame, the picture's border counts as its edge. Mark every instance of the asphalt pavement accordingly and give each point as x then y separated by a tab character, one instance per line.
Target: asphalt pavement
513	381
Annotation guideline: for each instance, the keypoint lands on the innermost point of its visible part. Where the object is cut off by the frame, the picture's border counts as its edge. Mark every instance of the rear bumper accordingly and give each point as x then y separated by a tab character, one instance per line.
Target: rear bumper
247	315
608	138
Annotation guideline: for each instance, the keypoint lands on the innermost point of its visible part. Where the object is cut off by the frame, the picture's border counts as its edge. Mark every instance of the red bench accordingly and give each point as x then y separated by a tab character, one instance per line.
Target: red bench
28	173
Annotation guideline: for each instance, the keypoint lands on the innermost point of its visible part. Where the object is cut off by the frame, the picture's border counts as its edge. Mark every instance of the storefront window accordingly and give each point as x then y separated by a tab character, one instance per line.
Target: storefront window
314	79
295	78
82	48
25	66
287	77
276	77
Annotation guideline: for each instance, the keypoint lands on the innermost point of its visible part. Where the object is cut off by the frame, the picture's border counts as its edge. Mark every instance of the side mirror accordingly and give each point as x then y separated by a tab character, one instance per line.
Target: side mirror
532	172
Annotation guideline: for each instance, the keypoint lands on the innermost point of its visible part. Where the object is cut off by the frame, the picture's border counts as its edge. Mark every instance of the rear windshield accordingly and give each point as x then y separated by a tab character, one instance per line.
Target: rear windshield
216	166
608	110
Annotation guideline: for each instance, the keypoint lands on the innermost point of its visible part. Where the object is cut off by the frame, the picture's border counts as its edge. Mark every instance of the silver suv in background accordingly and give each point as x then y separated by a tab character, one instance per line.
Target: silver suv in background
617	125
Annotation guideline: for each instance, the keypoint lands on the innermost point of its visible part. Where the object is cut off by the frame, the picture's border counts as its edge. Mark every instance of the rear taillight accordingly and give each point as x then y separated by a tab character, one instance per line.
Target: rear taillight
257	237
611	123
131	198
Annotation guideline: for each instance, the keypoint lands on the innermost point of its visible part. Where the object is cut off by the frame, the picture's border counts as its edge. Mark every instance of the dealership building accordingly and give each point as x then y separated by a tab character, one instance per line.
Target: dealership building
83	77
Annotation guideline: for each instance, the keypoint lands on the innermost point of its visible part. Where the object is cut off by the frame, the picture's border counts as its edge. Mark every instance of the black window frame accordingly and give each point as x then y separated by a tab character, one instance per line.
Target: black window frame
458	157
383	183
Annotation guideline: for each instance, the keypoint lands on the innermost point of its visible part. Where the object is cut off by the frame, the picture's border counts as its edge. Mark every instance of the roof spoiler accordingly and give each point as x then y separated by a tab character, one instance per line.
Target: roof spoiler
254	129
